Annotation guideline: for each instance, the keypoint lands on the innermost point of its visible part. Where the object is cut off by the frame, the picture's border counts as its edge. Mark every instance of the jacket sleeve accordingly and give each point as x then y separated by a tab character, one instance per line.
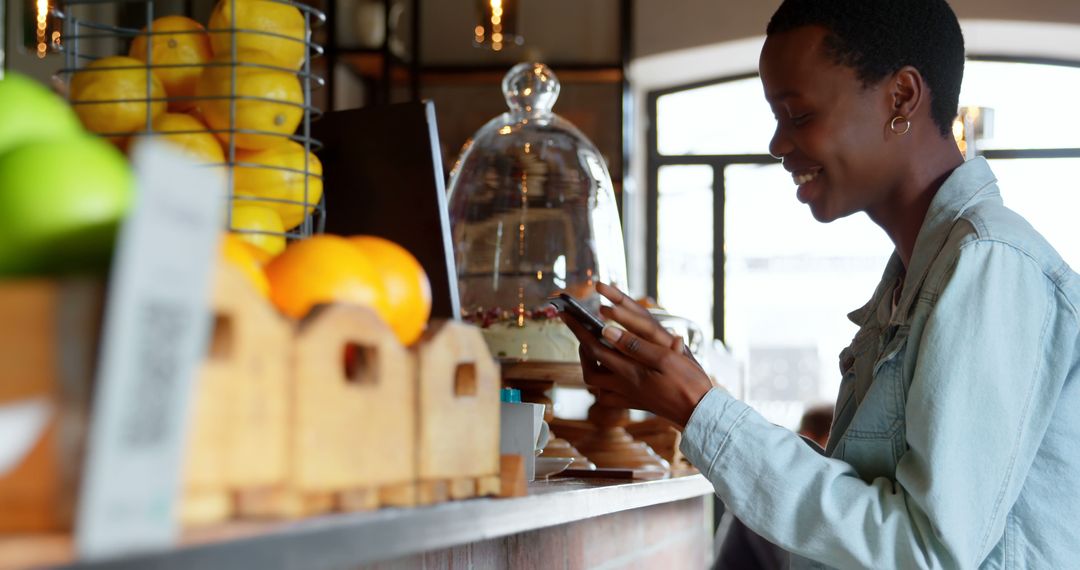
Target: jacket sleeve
977	408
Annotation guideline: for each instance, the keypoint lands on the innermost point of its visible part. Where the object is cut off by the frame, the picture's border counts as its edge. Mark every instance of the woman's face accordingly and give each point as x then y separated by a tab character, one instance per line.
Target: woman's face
831	130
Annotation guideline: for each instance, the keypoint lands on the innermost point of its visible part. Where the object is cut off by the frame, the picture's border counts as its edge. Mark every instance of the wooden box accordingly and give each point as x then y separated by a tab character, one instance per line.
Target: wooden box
354	398
458	409
237	432
49	333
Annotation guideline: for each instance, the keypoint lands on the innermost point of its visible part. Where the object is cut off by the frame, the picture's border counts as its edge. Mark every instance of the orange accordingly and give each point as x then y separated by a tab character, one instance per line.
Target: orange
263	225
191	138
408	291
272	183
182	42
122	81
259	16
236	253
267	100
324	269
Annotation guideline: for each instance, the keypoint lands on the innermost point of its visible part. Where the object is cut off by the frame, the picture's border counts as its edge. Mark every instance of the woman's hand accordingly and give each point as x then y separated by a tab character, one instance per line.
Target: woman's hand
648	369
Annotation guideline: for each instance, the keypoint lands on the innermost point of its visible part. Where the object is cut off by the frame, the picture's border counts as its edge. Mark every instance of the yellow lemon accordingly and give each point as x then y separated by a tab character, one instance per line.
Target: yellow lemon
259	16
190	137
267	100
258	226
177	41
258	174
123	85
235	252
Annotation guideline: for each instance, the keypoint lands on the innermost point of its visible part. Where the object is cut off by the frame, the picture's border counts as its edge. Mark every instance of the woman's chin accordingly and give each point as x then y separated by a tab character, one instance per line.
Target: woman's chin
820	211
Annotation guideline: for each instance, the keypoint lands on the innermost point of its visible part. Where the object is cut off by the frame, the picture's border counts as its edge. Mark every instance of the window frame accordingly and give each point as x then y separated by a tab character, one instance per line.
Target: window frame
719	162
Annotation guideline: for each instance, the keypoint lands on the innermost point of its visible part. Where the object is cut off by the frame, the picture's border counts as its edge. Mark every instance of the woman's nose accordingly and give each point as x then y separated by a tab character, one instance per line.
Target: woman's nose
779	145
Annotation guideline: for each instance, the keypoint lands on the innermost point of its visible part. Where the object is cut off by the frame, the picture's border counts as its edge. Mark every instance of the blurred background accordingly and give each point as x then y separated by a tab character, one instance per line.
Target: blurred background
668	92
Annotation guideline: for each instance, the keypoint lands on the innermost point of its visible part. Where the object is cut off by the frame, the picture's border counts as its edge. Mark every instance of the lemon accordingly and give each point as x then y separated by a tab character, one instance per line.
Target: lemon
259	16
267	100
263	225
177	41
123	85
275	184
190	137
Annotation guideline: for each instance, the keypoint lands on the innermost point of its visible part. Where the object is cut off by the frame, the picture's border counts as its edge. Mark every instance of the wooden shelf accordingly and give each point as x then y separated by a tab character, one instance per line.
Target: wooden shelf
369	63
349	540
462	75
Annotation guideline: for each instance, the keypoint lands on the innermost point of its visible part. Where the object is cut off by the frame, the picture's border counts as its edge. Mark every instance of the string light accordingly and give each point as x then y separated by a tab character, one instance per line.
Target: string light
497	27
42	27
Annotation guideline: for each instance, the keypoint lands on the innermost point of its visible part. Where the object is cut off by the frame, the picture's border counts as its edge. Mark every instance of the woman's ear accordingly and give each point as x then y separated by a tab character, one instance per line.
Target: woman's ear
908	92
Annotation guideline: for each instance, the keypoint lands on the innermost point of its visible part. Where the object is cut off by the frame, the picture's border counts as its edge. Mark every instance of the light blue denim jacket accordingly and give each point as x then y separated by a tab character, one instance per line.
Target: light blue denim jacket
956	439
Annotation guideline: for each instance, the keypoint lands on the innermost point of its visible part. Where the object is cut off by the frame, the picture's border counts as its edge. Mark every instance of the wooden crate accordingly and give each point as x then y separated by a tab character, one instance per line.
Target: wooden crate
458	411
48	342
353	423
240	412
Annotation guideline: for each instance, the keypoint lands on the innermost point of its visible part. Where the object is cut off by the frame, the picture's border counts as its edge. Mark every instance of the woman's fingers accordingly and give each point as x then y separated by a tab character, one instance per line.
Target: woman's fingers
598	376
620	299
645	352
599	355
631	315
583	335
643	325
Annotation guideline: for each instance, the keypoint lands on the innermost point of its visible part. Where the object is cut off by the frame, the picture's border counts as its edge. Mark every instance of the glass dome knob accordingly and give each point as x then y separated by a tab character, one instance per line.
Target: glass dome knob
530	89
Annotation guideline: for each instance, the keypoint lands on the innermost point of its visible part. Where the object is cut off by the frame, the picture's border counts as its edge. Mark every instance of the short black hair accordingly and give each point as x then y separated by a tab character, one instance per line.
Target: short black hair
878	37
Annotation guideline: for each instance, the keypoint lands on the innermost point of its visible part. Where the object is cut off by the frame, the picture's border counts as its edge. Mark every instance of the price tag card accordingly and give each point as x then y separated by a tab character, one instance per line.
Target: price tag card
157	321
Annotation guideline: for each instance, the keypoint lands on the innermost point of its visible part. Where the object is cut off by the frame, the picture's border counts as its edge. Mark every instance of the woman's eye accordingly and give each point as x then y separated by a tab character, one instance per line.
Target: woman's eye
800	120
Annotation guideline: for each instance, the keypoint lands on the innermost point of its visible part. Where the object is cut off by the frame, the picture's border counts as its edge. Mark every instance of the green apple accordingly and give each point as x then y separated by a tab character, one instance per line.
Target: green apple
61	202
30	112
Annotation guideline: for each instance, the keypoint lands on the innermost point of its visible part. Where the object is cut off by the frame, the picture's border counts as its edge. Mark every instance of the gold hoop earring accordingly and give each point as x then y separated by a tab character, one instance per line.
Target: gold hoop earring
907	125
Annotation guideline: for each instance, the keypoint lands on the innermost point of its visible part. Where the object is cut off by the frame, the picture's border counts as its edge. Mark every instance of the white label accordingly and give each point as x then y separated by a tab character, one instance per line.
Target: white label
156	326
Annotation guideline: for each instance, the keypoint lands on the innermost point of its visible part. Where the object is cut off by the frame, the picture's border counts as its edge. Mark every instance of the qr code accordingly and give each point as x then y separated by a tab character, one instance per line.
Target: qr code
159	324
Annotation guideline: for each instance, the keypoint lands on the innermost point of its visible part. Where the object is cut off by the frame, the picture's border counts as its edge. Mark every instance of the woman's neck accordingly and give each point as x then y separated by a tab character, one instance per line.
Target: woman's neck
903	216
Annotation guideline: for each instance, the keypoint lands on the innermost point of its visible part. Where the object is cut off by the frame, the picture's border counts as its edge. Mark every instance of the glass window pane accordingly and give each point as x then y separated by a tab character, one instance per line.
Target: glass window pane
1033	104
685	243
1046	191
789	283
725	118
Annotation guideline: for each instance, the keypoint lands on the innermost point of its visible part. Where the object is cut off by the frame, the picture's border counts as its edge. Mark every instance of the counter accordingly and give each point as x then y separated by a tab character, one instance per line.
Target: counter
562	523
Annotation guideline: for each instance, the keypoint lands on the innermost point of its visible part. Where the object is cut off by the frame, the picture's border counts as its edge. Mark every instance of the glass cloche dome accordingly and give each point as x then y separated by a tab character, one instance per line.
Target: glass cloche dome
533	214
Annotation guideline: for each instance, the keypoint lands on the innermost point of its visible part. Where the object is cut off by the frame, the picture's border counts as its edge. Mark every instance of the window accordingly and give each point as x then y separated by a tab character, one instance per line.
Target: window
779	292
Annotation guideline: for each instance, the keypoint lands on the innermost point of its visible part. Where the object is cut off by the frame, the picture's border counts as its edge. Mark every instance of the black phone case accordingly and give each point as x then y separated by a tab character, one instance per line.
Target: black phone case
567	304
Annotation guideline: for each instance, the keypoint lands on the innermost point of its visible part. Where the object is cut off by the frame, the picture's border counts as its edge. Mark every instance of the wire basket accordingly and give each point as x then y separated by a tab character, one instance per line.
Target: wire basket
276	179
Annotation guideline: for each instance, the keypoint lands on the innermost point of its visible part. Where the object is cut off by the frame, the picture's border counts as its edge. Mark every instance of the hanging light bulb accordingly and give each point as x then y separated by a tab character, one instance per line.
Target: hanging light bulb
498	25
42	27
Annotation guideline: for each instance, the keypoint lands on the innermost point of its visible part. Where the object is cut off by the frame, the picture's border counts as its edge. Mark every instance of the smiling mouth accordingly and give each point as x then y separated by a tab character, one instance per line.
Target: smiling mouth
804	176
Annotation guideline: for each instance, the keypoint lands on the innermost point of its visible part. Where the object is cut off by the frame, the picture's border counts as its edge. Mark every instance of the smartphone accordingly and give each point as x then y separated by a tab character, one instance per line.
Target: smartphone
569	305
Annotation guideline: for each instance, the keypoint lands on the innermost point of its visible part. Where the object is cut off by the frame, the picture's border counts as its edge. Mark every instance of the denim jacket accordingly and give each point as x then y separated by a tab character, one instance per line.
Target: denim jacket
956	438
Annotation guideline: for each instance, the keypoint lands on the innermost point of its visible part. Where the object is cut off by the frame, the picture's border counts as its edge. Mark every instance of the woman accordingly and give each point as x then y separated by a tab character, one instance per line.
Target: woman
956	437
